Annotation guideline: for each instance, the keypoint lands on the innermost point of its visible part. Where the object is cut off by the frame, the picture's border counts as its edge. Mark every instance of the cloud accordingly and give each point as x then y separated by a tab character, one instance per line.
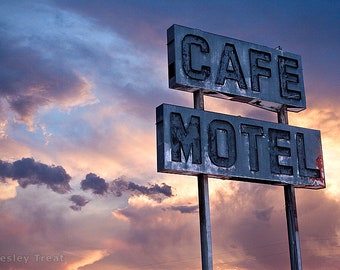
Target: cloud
116	187
247	224
27	172
88	257
27	88
185	209
78	202
8	190
155	191
39	68
95	183
264	214
6	170
168	235
250	225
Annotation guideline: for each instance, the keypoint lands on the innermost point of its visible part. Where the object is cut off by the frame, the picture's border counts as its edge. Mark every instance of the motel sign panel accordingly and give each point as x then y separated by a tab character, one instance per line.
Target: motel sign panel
236	70
197	142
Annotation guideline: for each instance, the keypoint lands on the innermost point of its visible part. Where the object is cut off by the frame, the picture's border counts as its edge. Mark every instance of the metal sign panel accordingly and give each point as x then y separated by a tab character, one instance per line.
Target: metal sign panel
197	142
234	69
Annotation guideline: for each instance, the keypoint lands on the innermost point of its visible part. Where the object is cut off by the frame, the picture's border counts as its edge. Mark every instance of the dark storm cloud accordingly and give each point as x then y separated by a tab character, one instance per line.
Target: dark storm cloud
117	187
95	183
78	202
6	170
151	190
27	171
155	192
185	209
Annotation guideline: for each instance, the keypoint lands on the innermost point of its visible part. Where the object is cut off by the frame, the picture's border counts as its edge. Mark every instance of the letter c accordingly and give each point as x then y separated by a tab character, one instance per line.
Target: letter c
187	55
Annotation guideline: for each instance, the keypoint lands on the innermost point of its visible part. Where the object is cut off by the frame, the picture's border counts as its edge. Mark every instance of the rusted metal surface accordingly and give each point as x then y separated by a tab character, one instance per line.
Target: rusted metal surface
233	69
197	142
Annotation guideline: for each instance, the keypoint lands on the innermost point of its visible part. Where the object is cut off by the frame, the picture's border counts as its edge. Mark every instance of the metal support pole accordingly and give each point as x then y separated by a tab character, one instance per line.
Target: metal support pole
291	212
203	202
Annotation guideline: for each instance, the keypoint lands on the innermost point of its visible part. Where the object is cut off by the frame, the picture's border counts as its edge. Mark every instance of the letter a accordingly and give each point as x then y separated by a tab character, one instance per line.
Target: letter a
230	67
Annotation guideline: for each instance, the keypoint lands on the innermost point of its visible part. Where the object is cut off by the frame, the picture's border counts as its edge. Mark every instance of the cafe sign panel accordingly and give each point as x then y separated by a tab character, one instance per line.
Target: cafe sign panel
233	69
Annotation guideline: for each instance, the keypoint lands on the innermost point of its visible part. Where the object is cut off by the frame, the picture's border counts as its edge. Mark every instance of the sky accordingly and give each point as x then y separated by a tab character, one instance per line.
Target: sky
79	189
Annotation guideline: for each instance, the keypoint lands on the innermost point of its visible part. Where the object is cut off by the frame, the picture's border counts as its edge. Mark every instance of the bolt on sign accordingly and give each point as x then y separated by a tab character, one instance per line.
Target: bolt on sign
197	142
233	69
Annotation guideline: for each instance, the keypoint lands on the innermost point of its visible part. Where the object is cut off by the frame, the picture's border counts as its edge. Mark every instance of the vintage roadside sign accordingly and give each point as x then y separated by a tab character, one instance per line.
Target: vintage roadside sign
208	144
197	142
233	69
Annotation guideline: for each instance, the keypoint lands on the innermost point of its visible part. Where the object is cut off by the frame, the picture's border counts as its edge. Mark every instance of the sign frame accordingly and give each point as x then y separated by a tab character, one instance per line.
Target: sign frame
194	142
236	70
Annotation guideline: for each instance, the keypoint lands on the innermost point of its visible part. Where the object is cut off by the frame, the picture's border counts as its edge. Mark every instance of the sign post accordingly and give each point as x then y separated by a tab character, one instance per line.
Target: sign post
291	212
203	203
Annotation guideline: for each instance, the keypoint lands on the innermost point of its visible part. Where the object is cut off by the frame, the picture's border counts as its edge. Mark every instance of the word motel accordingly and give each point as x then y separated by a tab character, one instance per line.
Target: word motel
229	147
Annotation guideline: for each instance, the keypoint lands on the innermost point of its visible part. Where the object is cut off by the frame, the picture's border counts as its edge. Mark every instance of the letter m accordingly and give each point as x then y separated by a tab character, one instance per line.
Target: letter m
185	138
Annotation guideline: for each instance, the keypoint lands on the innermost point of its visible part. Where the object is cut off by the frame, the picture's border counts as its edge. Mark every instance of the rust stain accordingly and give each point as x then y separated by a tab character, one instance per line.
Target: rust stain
320	181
